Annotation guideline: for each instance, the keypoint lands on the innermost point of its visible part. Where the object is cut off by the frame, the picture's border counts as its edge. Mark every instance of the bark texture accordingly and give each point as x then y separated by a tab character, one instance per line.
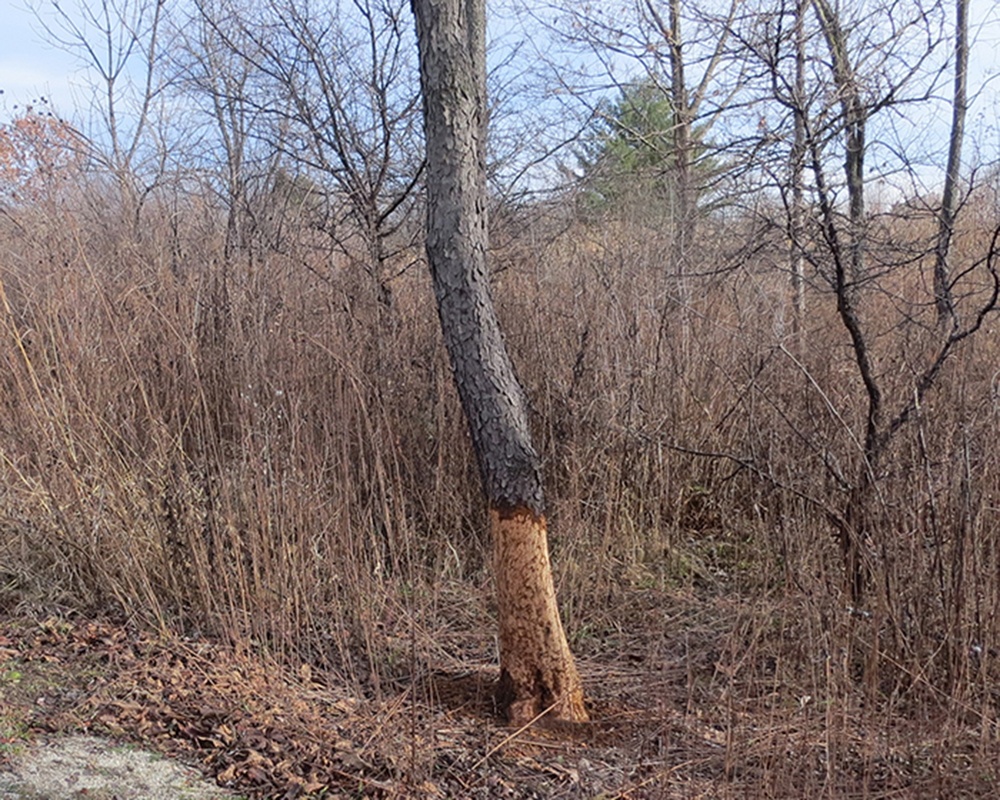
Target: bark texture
944	301
537	673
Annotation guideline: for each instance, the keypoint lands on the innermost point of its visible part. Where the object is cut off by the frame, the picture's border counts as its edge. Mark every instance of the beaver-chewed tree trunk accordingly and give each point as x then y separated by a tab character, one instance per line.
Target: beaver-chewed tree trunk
537	669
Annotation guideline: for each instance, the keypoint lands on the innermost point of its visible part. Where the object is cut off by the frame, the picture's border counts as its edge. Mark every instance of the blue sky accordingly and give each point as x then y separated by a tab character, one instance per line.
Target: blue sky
29	67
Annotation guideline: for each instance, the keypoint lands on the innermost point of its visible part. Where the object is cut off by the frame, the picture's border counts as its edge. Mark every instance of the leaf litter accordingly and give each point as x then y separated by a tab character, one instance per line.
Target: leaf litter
692	699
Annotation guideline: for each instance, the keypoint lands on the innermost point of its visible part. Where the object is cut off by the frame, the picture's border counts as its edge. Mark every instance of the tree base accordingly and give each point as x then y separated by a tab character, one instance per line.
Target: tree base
537	673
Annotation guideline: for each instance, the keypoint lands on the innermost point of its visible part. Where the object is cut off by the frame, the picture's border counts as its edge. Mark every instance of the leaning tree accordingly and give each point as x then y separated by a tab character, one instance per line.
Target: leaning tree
537	672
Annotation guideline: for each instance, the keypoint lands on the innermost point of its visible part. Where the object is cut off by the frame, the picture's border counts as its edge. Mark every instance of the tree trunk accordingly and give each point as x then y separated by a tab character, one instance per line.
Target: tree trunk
849	273
855	118
684	219
797	222
943	300
537	672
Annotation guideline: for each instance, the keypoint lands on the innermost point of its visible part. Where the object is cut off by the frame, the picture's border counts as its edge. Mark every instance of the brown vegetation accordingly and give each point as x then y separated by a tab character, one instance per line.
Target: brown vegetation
280	464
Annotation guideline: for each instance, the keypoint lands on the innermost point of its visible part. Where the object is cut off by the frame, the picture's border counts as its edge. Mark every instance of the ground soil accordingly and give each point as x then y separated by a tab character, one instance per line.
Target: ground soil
690	697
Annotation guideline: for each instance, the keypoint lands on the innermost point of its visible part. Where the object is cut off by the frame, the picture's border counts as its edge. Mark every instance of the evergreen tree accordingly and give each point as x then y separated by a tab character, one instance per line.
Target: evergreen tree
627	162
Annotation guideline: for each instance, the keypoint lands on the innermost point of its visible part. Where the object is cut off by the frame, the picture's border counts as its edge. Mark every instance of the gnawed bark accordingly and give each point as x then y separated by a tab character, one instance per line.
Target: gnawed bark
535	662
537	672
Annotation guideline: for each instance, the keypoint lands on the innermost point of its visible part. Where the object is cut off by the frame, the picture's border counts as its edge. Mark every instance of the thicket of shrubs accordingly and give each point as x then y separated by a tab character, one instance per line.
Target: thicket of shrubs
259	446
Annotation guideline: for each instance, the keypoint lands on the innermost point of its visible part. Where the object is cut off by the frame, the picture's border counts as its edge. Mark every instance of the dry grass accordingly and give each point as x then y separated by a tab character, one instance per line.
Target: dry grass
259	453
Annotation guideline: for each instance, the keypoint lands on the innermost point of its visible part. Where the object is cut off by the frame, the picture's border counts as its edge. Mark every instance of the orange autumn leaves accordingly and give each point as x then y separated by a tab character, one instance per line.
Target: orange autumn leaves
39	155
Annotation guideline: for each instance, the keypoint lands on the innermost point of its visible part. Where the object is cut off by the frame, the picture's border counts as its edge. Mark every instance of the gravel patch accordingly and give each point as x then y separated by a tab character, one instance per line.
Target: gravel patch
74	767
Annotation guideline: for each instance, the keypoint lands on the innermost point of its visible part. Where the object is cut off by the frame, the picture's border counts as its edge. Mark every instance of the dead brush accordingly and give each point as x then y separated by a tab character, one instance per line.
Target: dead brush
278	461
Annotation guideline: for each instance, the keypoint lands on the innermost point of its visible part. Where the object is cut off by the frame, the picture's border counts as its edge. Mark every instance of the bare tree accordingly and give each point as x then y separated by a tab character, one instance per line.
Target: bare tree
538	674
688	105
684	52
798	158
861	70
949	201
119	44
339	93
207	71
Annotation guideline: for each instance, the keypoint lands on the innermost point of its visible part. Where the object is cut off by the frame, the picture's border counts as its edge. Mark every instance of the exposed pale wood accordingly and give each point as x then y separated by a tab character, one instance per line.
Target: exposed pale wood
537	670
536	663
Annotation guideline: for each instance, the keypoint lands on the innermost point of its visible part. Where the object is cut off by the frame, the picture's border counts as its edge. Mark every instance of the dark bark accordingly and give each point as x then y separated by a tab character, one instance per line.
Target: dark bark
454	108
855	118
849	272
853	532
537	670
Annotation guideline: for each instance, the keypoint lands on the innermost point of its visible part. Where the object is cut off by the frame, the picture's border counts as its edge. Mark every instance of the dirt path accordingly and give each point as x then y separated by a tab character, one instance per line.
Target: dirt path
71	767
